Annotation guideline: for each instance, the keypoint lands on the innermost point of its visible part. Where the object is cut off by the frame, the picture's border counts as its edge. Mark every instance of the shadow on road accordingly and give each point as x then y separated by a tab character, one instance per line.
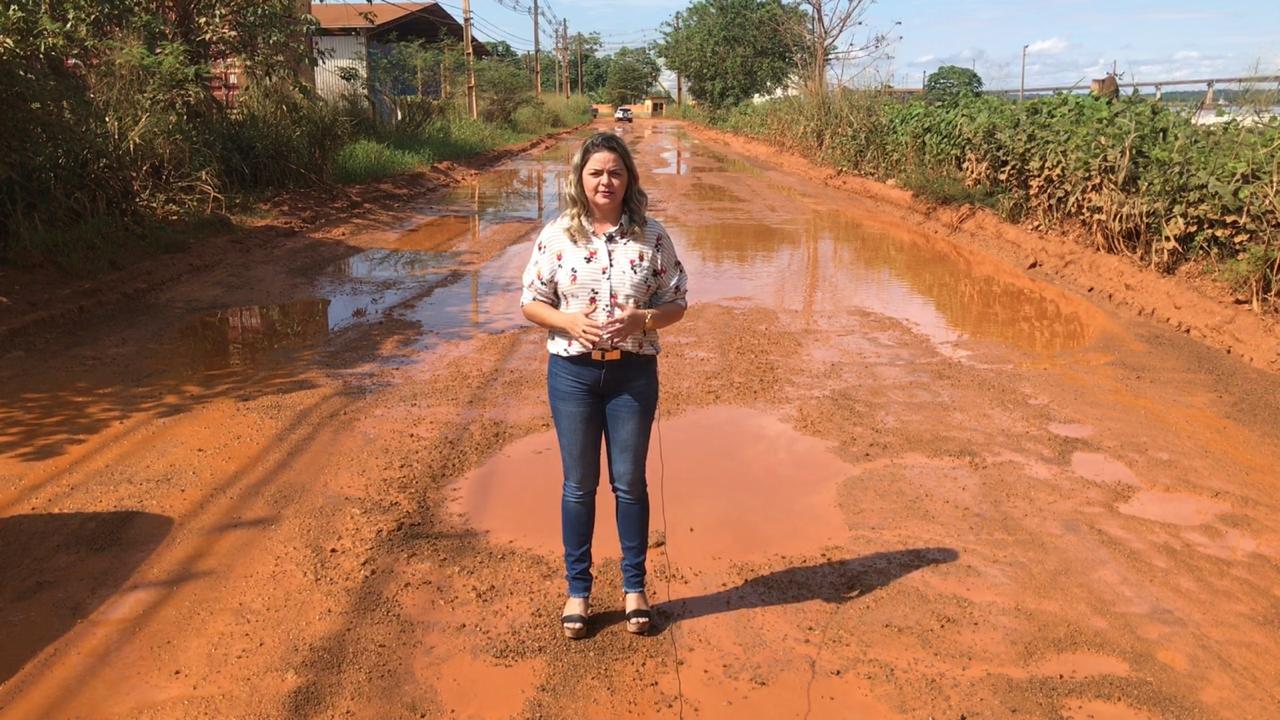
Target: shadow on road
835	581
57	569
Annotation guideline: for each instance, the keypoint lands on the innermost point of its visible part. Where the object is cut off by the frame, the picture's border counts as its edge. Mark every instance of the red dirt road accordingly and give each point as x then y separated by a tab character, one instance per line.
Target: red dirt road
900	478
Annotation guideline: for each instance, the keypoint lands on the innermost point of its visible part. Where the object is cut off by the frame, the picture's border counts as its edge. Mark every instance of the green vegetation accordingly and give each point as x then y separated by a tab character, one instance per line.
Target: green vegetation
732	50
115	144
950	83
631	73
1137	177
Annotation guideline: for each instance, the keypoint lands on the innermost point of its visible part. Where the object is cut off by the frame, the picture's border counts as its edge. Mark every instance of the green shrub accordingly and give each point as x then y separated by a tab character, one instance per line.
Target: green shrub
534	118
365	160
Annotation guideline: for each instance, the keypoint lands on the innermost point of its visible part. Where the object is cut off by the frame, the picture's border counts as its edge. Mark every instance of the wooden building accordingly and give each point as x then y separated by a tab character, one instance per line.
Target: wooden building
348	32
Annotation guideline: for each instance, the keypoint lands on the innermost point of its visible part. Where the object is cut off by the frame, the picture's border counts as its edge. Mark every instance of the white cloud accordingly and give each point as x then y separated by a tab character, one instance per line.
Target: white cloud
1187	55
925	59
1052	46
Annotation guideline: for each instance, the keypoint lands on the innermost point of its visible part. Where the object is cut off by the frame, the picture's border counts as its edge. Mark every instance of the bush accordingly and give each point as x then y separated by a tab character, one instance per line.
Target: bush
534	118
365	160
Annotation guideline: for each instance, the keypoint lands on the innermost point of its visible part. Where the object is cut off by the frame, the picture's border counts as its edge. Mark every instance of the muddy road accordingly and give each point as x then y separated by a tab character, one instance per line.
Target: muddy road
893	477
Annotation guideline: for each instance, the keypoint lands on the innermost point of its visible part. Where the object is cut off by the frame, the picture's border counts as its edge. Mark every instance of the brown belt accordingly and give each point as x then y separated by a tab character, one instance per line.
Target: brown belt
606	354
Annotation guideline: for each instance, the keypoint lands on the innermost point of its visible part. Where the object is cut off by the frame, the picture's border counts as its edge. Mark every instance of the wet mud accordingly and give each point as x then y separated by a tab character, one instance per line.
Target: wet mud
892	477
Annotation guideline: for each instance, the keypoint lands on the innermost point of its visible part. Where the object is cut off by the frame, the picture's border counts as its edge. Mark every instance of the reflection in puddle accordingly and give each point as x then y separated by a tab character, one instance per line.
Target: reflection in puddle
237	336
378	264
485	299
721	506
375	281
829	262
525	191
429	272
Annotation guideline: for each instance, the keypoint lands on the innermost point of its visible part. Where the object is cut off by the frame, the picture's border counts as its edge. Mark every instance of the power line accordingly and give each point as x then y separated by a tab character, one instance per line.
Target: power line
638	31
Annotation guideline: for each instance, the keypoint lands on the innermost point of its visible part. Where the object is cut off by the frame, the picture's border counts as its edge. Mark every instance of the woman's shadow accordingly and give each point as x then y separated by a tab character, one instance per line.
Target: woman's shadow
834	581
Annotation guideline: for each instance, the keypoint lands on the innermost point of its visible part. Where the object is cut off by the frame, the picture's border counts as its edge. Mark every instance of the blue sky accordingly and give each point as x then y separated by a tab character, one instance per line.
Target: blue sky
1069	40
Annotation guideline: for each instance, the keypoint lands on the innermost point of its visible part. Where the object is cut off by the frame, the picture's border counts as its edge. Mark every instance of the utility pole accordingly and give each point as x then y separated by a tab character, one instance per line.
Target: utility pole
537	53
580	90
1022	84
679	82
564	48
471	64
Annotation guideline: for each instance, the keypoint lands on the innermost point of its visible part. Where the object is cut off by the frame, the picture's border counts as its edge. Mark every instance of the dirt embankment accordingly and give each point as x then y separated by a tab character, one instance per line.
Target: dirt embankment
33	298
1199	307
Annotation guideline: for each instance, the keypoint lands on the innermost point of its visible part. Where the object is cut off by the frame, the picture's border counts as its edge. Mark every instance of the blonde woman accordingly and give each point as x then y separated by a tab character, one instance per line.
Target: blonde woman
604	277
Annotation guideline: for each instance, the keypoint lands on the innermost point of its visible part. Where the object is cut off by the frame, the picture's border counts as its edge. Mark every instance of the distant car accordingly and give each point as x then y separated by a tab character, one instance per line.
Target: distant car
623	114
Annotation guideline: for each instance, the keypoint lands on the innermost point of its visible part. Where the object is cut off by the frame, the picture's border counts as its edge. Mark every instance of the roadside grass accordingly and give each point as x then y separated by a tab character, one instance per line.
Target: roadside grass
452	138
365	160
104	245
944	189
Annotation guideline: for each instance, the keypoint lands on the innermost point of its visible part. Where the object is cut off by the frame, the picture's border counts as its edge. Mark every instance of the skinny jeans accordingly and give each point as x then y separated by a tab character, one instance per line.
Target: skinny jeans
614	400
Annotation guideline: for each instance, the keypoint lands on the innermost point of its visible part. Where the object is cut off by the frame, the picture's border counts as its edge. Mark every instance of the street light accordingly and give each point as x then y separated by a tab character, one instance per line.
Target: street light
1022	84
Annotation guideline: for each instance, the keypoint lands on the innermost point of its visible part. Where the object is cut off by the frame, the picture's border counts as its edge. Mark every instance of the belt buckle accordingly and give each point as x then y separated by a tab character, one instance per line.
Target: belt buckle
606	354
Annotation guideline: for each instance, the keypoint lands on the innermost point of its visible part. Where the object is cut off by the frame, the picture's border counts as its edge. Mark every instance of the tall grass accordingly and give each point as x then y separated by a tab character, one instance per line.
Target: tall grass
452	136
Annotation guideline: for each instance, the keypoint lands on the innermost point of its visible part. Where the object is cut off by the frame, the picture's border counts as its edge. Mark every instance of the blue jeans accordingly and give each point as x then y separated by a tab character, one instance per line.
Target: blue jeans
615	400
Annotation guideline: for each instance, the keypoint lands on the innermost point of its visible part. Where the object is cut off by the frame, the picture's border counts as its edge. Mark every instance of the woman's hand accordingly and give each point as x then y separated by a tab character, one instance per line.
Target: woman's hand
627	321
581	328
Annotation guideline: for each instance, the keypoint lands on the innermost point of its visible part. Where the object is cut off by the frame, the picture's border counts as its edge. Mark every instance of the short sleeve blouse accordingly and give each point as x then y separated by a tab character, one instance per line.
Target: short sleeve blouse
641	270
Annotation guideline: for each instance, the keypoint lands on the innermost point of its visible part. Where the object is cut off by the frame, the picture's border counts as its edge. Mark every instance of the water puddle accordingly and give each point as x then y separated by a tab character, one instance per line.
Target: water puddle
485	299
775	494
369	284
1102	469
1075	431
240	336
1172	508
748	232
830	262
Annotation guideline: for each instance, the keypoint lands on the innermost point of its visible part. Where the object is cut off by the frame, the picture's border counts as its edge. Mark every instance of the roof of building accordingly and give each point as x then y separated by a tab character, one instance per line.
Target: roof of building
365	14
427	20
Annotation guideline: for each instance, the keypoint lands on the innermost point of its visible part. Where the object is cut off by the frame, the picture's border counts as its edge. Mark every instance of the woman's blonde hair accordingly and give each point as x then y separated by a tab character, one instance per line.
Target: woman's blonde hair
634	199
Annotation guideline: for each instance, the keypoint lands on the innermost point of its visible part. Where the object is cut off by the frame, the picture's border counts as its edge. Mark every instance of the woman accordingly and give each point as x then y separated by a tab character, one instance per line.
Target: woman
603	279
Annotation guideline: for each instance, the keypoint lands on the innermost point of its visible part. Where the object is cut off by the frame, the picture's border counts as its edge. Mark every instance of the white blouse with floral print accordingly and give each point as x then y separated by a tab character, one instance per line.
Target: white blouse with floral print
589	276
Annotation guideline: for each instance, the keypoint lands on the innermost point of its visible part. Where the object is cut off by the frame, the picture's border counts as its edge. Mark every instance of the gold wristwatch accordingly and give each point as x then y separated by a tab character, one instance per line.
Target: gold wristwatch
648	319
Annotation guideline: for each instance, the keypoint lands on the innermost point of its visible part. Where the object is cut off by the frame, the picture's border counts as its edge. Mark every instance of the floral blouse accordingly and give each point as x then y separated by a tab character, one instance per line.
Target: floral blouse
590	276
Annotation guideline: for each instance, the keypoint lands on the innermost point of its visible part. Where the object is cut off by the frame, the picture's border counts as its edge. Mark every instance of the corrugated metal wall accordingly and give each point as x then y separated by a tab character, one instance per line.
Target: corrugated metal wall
338	55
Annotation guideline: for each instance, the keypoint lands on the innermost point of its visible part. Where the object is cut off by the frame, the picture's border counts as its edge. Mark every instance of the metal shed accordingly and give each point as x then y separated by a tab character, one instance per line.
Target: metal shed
348	31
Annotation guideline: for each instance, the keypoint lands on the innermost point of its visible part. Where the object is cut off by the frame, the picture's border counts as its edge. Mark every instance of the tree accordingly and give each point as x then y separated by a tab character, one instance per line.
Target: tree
501	50
732	50
632	71
595	70
828	23
951	82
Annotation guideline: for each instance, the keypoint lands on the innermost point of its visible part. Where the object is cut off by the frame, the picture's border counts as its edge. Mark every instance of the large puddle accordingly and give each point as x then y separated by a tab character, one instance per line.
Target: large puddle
748	235
774	495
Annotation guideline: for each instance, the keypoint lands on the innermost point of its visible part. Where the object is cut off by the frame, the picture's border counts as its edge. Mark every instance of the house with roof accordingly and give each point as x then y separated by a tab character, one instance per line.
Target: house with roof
348	33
